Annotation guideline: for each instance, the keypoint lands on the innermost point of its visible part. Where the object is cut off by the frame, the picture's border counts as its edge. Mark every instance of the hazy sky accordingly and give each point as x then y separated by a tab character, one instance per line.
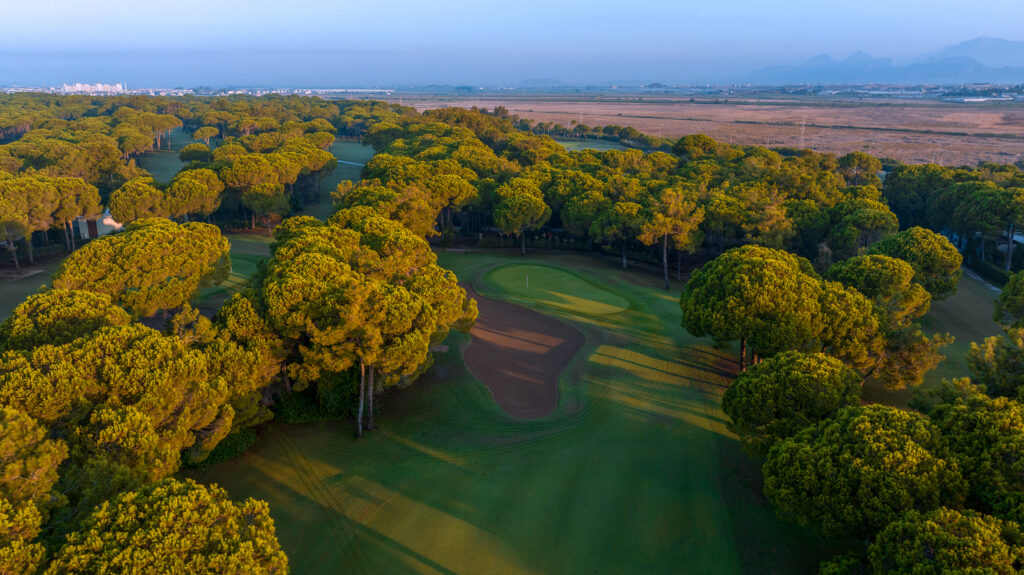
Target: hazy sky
400	42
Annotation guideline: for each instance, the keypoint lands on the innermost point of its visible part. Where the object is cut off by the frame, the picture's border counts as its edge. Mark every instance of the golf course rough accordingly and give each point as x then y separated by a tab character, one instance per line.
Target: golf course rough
633	471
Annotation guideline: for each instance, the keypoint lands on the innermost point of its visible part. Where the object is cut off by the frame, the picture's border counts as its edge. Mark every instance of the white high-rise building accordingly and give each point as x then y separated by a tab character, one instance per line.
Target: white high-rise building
80	88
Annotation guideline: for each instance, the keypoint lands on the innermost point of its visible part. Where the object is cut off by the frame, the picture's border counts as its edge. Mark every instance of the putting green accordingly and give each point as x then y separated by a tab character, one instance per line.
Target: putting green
555	287
634	472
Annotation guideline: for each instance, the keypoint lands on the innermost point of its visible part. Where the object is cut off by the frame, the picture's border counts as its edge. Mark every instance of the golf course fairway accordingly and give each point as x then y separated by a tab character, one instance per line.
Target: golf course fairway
633	472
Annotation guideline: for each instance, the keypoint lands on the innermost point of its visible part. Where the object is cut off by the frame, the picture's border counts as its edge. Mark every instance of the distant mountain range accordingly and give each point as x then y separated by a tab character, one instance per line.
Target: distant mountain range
982	60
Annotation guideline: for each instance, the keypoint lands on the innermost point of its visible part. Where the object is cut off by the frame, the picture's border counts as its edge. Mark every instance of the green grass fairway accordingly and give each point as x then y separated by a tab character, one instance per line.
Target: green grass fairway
633	473
164	163
246	252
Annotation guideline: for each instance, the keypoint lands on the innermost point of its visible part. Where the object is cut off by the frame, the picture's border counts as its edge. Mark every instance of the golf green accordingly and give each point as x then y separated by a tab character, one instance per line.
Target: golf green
634	471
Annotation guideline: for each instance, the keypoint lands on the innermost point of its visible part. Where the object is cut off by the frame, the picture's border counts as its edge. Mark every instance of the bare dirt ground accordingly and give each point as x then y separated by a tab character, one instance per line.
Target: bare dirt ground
518	354
916	131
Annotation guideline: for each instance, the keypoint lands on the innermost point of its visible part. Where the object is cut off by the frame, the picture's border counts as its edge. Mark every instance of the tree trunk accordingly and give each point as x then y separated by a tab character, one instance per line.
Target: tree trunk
1009	248
28	248
13	248
253	226
679	265
623	254
71	226
743	354
362	394
67	237
522	237
373	391
664	258
982	249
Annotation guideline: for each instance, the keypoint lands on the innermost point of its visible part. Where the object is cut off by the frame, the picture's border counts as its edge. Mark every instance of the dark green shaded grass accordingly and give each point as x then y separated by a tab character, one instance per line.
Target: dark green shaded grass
14	291
633	473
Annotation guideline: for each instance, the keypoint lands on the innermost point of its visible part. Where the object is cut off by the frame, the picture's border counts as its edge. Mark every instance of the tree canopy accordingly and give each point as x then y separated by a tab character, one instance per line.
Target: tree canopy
858	471
174	526
154	265
786	393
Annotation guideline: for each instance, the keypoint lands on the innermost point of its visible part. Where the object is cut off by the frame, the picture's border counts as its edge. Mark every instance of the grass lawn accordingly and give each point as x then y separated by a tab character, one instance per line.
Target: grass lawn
14	291
633	473
164	163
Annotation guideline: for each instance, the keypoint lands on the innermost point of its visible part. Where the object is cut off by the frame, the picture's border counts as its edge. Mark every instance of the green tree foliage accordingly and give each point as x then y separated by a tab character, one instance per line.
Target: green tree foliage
520	206
935	261
58	316
909	354
947	541
619	223
137	199
888	282
581	211
205	133
75	198
154	265
1010	302
676	216
786	393
132	401
761	296
195	153
987	437
860	169
174	527
857	223
193	192
858	471
255	178
19	526
29	460
909	190
362	290
997	363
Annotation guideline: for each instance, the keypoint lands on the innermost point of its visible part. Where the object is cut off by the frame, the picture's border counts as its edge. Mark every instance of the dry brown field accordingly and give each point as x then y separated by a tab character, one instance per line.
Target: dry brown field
916	131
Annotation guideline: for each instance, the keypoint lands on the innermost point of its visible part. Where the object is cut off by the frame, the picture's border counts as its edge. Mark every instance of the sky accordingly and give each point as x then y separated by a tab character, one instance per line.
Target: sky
387	43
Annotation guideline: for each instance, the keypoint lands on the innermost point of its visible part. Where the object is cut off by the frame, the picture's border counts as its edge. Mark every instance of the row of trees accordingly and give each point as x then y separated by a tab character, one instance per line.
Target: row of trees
980	208
32	202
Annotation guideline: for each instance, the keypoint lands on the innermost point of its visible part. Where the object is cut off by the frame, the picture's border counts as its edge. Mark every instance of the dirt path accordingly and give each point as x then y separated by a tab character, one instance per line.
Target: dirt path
518	354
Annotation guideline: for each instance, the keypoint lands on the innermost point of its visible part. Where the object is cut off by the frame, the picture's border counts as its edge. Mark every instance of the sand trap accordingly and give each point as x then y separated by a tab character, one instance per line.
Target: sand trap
518	354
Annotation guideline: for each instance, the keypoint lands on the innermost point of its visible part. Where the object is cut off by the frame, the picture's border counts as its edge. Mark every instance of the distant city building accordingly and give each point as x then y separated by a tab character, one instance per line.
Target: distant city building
93	88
